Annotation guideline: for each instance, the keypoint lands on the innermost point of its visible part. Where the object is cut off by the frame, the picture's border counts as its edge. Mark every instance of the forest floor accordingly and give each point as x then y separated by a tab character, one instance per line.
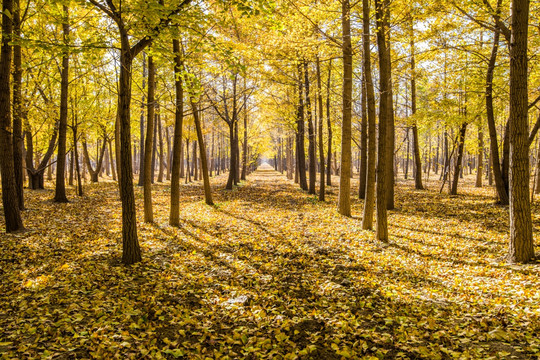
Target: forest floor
268	272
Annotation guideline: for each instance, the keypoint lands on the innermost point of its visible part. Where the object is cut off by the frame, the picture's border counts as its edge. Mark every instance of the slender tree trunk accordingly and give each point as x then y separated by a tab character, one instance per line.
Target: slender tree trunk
321	143
149	143
312	160
18	142
154	144
131	252
161	149
290	166
142	151
537	182
169	154
344	200
77	164
188	170
416	146
245	144
406	167
459	160
237	153
384	114
113	167
390	130
202	153
177	161
367	219
480	156
329	127
363	143
494	146
60	191
521	247
300	149
194	162
71	169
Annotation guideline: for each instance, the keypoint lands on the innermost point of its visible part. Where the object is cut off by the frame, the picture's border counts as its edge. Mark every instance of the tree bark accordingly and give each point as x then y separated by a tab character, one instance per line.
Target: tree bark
18	141
149	143
244	144
344	200
416	146
493	144
312	160
300	149
390	130
384	114
60	191
161	149
131	252
329	127
94	173
202	154
367	219
363	142
174	216
521	248
10	199
459	160
142	152
322	190
480	156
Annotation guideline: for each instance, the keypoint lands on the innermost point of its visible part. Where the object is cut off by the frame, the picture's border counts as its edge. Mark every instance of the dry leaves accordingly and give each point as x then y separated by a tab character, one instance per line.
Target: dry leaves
266	273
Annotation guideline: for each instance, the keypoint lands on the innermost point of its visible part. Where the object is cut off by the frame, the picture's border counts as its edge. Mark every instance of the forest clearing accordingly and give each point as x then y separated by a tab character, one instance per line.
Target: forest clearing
268	272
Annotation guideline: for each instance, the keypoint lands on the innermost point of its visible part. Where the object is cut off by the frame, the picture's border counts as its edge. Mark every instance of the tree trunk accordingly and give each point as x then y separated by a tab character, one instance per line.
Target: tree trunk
329	127
94	173
321	143
521	247
10	199
142	151
188	172
459	161
416	146
177	160
480	156
169	154
245	144
149	143
494	146
406	167
367	219
202	153
194	161
300	149
237	152
154	143
344	200
18	141
390	130
113	167
290	166
384	114
363	142
161	150
131	252
312	160
60	191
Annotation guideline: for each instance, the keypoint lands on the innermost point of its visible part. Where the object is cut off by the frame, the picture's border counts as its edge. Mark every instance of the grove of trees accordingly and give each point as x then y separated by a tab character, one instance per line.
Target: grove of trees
385	90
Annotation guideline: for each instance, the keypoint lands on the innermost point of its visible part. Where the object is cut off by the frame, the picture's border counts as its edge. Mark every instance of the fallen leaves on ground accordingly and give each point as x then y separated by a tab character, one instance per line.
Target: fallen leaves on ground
267	273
